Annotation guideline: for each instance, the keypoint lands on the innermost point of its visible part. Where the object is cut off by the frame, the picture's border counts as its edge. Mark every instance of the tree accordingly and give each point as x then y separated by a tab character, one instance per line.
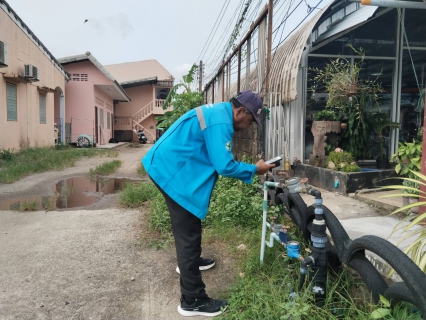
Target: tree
182	102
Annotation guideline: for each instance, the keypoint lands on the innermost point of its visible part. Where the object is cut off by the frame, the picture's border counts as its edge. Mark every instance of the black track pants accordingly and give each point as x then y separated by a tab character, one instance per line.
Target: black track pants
187	233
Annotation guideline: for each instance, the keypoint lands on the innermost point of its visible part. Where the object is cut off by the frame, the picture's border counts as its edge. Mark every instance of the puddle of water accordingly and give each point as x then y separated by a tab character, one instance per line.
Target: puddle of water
69	193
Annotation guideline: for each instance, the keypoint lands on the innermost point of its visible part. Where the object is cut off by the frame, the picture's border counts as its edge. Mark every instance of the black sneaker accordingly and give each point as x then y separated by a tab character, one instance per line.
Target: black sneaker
205	264
201	307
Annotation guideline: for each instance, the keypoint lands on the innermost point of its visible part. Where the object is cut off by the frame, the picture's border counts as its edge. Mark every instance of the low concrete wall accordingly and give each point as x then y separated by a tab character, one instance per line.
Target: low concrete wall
348	182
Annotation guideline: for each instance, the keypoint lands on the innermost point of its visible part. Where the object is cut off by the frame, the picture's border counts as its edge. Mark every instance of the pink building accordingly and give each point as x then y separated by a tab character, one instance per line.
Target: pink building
32	86
147	83
92	94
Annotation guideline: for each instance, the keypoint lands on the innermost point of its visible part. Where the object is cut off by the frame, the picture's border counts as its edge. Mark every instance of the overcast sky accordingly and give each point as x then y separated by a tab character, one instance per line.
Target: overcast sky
172	31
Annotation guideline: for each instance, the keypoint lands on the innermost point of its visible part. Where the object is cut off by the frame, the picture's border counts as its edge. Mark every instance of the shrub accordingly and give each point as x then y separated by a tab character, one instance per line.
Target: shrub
339	157
325	115
351	168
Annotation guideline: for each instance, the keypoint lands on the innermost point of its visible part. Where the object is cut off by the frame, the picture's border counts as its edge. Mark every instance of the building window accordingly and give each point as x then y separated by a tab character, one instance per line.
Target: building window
12	109
101	117
42	99
76	77
108	120
84	77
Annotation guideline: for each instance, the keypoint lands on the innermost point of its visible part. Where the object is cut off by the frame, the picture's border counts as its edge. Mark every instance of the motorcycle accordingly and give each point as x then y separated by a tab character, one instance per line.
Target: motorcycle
142	137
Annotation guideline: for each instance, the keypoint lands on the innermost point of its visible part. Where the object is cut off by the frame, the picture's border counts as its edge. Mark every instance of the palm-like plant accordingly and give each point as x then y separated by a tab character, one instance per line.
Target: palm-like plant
416	228
182	102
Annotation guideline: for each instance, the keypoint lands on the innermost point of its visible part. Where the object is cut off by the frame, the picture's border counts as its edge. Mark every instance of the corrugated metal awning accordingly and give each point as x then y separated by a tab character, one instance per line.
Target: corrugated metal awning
286	60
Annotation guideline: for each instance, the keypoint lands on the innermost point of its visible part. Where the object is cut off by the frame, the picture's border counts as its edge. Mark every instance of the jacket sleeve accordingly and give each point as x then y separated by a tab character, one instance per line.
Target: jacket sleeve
218	139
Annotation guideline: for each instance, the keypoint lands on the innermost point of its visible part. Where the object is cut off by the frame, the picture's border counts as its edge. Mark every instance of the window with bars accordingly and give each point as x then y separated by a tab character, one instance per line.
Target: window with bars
101	117
42	99
84	77
75	77
108	120
12	108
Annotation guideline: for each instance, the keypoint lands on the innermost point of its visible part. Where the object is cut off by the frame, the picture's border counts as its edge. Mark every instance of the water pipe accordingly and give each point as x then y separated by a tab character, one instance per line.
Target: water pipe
266	186
393	4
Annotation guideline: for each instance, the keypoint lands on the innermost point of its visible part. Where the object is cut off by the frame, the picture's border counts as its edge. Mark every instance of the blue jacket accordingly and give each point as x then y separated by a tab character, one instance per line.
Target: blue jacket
187	159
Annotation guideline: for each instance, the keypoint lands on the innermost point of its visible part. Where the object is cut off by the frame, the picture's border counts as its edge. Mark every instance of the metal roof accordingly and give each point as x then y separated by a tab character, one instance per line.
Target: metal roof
284	63
20	23
91	58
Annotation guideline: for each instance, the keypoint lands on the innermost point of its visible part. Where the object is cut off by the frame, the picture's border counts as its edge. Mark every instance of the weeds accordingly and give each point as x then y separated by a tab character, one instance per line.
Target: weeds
35	160
30	205
141	171
105	168
265	291
135	195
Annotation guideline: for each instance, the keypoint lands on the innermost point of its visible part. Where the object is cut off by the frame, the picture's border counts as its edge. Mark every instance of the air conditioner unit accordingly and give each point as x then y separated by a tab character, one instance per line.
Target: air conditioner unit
31	72
36	74
3	54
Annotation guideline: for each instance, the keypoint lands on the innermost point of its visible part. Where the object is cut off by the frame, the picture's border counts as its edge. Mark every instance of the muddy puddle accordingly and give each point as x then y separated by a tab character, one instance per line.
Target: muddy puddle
69	193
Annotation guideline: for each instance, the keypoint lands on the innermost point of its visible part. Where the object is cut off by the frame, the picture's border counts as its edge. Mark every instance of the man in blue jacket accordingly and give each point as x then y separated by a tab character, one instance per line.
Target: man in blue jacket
184	164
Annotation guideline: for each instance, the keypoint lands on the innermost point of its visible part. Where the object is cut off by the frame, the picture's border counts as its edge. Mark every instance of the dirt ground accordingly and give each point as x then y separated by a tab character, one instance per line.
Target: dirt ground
89	262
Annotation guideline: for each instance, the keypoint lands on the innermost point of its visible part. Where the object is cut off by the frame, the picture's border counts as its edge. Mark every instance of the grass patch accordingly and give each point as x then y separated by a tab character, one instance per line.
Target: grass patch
14	166
141	171
261	291
135	195
29	205
105	168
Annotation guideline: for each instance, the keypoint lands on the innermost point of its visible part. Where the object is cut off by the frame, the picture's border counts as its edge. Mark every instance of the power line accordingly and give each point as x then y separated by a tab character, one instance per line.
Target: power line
240	7
207	41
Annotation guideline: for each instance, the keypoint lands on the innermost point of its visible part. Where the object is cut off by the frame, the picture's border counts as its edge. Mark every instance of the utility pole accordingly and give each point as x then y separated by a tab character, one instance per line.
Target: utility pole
200	77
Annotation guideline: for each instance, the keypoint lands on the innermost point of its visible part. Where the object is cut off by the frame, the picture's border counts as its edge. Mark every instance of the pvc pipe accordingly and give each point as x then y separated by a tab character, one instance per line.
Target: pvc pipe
394	4
266	186
272	236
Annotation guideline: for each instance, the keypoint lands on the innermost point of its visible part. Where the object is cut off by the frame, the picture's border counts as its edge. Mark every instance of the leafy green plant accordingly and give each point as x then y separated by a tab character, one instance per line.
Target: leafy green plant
409	158
182	103
235	202
379	123
105	168
325	115
351	168
339	157
417	227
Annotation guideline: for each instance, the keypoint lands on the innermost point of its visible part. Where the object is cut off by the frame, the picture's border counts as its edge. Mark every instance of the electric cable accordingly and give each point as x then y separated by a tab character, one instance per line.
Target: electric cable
207	41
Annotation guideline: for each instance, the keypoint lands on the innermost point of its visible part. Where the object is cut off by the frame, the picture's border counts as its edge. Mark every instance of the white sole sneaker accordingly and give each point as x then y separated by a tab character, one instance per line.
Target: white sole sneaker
202	268
198	313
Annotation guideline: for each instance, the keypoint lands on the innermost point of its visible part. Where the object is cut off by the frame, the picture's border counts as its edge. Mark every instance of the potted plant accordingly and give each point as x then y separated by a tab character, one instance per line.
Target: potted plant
379	123
351	96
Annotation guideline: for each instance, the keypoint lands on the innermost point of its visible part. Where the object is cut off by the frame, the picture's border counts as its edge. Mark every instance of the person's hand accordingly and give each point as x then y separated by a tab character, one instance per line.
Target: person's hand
263	167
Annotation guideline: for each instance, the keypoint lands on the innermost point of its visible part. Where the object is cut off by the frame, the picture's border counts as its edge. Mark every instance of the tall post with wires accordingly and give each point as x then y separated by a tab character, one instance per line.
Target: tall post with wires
200	77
